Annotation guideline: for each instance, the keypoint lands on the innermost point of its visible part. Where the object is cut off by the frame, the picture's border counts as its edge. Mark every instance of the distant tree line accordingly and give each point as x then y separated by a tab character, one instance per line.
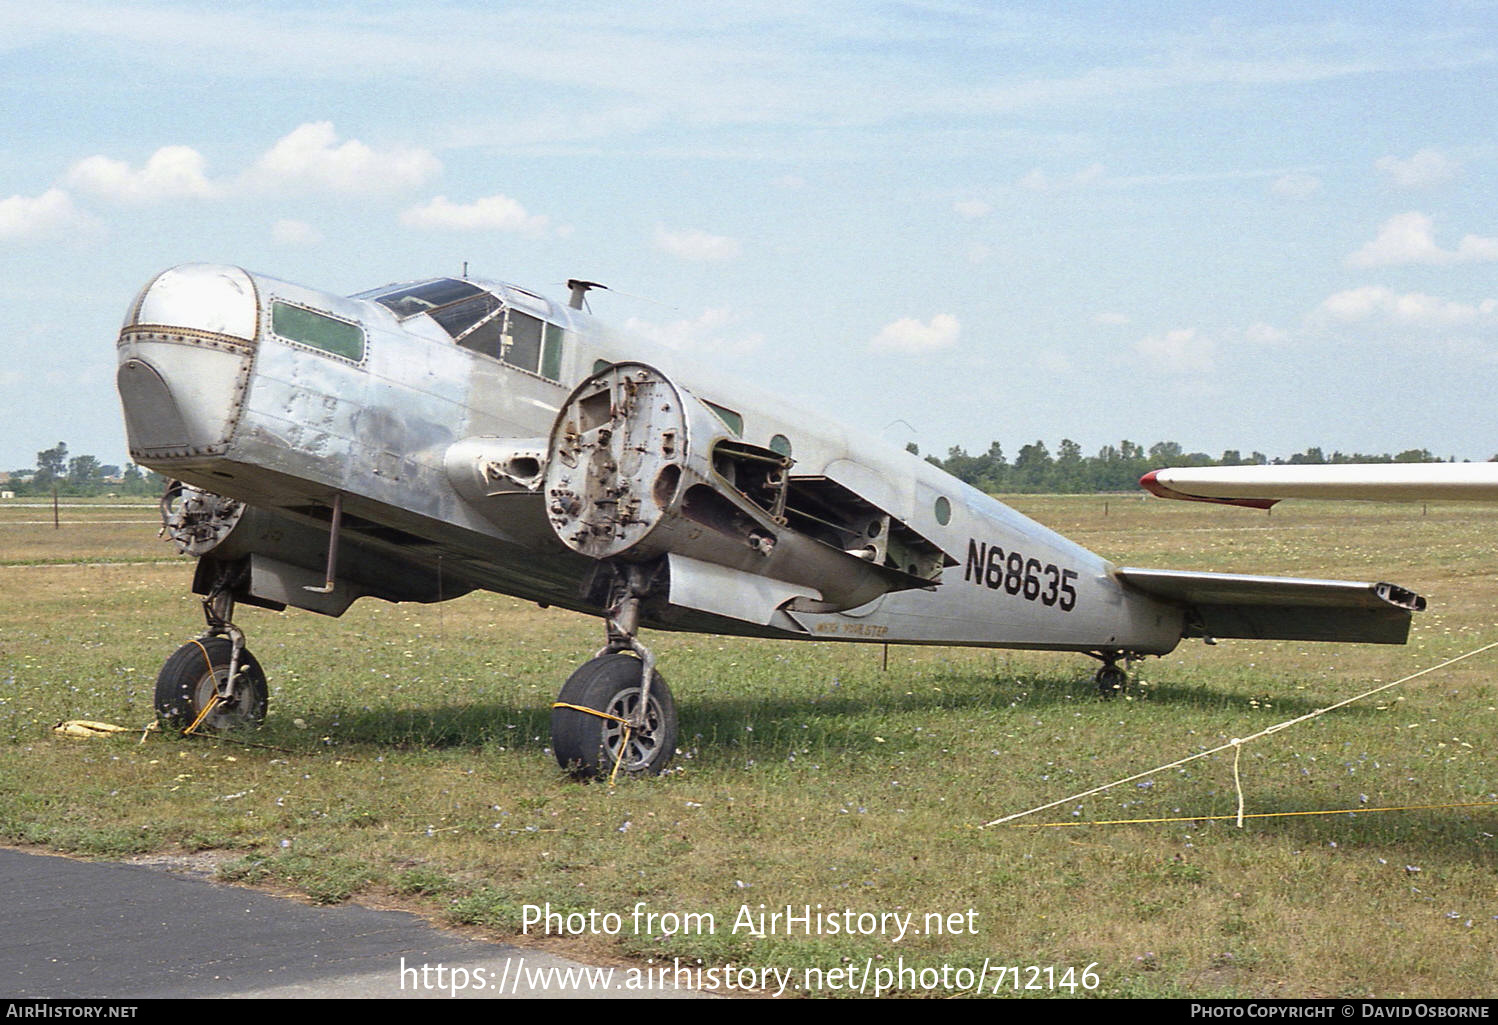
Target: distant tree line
1034	469
1115	467
80	477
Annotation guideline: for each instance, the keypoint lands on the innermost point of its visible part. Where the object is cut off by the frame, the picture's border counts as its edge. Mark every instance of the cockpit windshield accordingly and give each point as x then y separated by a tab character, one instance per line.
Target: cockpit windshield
478	320
456	305
409	300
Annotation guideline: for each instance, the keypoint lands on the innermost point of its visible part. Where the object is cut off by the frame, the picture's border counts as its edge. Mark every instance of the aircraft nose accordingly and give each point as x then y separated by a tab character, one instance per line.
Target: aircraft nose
184	361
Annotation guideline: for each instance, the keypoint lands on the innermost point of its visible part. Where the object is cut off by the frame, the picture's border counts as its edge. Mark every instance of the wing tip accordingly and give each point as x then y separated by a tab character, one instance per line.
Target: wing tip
1151	482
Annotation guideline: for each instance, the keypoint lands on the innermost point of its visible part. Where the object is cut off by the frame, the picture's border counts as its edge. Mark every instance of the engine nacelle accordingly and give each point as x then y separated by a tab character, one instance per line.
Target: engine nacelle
273	559
639	468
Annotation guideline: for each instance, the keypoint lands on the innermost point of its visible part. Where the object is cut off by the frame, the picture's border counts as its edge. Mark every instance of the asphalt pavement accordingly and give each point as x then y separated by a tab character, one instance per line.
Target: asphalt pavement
103	930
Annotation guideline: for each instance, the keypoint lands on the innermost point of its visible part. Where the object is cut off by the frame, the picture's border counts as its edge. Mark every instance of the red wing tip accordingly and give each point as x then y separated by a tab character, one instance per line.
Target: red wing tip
1151	483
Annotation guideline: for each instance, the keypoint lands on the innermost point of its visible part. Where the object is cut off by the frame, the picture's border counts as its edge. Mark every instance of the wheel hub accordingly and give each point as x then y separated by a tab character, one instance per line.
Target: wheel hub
641	728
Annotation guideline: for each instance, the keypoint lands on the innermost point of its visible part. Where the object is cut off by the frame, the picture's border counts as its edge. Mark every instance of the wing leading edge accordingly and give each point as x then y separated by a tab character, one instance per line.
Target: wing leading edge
1260	487
1281	608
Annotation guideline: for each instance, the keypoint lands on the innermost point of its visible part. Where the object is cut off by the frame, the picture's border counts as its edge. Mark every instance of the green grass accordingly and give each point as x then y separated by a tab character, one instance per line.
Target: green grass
405	760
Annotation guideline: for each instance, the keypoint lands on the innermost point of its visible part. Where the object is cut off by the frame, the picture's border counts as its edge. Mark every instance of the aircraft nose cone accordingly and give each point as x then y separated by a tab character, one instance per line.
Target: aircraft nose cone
184	361
199	297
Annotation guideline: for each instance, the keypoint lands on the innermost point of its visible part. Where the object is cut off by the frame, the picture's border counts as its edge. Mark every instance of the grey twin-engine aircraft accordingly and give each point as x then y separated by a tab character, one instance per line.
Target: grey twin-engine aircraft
423	440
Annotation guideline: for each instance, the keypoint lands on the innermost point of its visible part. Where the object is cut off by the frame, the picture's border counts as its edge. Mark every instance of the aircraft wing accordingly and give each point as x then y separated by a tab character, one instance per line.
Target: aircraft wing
1283	608
1259	487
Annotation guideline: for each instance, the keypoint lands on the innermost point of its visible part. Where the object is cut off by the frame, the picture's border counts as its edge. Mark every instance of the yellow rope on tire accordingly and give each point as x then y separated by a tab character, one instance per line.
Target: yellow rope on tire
213	701
619	758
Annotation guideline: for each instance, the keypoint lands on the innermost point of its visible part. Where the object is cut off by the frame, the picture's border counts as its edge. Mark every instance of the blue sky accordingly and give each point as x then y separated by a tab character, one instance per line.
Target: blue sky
1264	226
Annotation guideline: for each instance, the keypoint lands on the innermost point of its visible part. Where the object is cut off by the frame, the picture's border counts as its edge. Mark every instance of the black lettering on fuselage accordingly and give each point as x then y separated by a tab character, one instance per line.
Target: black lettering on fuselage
989	566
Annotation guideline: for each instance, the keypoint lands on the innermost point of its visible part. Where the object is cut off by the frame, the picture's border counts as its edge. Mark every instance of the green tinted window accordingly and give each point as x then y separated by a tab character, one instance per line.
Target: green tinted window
551	353
306	327
733	421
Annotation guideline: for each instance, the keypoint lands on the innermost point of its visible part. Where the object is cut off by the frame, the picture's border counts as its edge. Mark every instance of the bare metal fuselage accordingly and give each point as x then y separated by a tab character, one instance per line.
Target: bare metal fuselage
432	447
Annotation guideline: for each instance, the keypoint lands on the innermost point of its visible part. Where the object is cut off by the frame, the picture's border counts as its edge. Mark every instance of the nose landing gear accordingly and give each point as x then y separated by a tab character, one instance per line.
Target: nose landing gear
213	681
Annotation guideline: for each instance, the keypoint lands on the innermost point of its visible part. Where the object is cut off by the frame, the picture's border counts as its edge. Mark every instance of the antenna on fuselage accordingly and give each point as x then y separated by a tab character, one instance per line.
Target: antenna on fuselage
579	290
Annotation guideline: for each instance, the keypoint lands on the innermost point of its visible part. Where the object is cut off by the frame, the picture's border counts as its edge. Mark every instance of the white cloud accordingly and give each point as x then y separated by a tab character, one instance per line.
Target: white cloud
492	213
789	181
1296	185
1038	181
1183	351
978	252
972	209
38	216
1410	238
1110	319
909	335
1373	302
295	233
708	333
1424	170
1265	334
1035	181
310	157
172	172
697	246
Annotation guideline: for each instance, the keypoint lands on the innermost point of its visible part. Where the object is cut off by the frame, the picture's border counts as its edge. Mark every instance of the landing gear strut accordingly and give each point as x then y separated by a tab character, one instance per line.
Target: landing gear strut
615	713
215	674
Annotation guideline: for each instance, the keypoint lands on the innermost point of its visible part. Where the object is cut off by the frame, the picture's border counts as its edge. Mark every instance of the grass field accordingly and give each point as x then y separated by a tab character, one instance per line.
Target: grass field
406	761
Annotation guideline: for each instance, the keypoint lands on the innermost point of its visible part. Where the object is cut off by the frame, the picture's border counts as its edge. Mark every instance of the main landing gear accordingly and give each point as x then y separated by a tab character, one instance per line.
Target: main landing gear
213	681
615	713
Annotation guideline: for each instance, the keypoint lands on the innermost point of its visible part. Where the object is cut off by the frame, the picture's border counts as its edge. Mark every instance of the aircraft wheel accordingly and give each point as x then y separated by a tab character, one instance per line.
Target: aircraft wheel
189	678
1111	680
588	745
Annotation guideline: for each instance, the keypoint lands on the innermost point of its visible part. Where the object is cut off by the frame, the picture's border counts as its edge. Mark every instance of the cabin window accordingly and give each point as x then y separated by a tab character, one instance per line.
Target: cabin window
551	353
733	421
318	331
523	342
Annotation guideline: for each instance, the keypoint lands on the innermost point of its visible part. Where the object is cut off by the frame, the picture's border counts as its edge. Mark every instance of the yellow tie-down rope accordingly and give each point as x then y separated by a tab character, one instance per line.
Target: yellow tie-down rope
1237	745
213	701
1240	816
623	746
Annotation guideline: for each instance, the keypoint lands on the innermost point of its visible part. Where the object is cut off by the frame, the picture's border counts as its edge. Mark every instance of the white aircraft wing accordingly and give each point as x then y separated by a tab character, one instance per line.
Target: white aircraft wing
1285	608
1260	487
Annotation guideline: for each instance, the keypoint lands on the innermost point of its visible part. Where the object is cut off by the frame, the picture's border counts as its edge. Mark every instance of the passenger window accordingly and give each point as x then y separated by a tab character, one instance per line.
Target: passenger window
318	331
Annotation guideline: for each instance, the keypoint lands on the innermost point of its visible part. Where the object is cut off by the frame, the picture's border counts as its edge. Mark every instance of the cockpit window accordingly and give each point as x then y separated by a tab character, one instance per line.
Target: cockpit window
409	300
468	319
478	320
472	315
524	350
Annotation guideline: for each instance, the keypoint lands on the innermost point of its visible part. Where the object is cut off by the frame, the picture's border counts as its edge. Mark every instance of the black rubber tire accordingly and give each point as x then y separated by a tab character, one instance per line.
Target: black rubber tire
588	745
1111	681
190	676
